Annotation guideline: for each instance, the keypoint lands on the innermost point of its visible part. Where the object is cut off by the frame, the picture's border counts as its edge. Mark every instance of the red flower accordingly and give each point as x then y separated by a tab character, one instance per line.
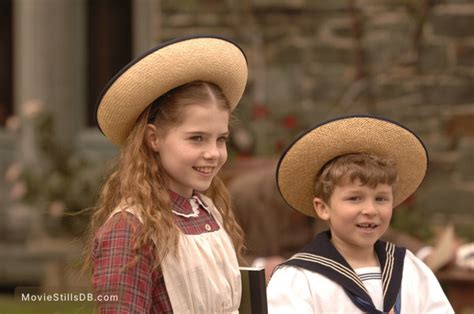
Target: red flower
259	112
289	122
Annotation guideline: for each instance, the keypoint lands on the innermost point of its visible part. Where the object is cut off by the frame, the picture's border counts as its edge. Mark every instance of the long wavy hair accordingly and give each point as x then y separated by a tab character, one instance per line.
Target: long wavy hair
138	178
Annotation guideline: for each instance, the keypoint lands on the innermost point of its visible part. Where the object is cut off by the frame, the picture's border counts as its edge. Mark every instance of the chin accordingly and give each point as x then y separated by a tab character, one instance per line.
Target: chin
202	188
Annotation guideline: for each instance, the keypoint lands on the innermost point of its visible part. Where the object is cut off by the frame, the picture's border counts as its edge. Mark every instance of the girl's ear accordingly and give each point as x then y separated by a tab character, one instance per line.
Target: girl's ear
321	208
152	137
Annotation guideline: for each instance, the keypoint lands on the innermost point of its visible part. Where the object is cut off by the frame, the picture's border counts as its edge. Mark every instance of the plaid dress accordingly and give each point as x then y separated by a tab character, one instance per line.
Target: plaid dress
143	290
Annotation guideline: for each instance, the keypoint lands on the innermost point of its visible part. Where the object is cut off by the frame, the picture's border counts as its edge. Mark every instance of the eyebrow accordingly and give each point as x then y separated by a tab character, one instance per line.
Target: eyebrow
204	133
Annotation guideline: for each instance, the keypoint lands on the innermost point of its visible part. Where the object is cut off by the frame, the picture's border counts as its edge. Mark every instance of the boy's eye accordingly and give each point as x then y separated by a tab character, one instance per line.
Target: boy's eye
381	199
354	198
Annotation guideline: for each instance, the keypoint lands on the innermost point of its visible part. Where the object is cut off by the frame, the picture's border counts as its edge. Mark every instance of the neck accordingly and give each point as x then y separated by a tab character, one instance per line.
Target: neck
356	257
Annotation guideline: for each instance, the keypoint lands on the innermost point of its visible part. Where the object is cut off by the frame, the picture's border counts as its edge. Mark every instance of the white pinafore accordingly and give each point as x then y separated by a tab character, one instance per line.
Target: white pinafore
205	276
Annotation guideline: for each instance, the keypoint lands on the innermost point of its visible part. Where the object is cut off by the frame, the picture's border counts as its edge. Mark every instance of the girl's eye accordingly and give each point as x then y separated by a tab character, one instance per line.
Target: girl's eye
197	138
222	139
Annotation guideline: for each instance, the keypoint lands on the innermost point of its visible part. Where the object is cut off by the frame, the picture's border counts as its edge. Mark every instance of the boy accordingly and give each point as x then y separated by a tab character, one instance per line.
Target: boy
351	172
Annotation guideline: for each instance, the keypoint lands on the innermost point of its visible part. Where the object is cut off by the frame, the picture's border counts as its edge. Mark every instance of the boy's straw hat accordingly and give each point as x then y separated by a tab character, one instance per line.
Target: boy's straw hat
169	65
305	157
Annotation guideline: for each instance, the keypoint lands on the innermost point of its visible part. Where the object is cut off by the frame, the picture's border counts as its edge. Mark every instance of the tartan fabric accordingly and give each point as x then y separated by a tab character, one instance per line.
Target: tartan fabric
193	225
140	289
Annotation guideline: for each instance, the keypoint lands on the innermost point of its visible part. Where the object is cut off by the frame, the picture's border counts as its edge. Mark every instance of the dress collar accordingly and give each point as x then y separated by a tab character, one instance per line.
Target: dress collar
187	207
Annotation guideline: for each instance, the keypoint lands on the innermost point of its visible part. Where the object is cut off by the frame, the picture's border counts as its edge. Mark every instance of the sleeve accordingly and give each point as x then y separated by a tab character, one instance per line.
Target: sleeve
112	252
430	296
289	292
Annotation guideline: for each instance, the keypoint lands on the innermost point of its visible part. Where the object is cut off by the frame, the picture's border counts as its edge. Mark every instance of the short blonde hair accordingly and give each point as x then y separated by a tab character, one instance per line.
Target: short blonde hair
369	169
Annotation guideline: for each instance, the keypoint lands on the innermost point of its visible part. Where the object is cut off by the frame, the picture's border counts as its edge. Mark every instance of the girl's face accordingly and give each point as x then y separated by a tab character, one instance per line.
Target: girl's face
193	152
358	214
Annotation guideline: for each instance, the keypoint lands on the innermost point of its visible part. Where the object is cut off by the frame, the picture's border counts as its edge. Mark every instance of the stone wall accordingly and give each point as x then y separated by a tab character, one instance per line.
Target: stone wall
309	60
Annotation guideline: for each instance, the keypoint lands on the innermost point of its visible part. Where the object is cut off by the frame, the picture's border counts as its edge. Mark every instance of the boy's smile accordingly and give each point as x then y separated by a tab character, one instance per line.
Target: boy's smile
358	215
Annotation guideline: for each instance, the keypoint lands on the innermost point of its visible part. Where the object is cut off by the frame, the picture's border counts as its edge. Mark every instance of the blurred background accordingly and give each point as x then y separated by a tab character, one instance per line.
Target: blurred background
309	60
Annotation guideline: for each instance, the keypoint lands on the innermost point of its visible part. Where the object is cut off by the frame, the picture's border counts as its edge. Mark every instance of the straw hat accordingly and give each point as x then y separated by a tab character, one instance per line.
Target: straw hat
302	161
169	65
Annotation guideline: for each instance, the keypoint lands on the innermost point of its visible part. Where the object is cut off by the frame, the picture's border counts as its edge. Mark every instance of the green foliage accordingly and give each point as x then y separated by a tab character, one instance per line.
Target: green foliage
408	219
60	183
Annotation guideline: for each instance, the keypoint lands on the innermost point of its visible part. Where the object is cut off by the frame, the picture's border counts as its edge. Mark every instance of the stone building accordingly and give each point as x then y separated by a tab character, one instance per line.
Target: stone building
309	60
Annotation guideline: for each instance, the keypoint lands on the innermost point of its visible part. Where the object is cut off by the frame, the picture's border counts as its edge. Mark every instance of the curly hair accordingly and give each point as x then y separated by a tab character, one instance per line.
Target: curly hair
368	169
139	179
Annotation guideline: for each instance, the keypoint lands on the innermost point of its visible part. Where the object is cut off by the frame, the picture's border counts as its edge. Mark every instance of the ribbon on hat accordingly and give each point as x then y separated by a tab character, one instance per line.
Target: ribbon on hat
322	257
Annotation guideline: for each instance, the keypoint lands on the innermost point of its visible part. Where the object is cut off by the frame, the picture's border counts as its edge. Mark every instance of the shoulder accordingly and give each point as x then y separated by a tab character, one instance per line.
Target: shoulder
301	282
419	282
414	264
417	273
118	233
296	277
415	268
117	237
121	222
288	273
297	290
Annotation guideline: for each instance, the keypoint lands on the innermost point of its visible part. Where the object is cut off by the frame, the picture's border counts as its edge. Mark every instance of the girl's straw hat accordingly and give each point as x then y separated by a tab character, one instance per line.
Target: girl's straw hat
169	65
305	157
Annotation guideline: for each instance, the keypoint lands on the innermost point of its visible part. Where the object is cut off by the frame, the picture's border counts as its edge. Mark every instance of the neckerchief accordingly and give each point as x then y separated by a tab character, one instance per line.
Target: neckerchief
322	257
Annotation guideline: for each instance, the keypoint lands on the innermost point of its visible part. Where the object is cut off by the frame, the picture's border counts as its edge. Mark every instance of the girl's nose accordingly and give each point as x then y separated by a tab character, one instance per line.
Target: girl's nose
211	152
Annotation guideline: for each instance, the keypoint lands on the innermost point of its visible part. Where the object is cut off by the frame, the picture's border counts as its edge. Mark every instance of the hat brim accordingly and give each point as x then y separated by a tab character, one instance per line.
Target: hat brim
169	65
303	159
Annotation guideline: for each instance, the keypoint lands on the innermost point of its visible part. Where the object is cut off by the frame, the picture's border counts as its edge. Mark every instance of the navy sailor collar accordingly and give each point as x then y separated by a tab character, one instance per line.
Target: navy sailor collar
322	257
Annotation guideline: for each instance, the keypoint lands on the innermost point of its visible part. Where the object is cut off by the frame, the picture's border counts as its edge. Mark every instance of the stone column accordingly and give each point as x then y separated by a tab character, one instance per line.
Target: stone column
146	24
49	67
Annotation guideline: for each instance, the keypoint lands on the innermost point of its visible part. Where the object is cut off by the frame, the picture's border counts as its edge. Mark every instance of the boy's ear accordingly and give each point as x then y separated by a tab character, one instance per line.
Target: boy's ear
321	208
151	137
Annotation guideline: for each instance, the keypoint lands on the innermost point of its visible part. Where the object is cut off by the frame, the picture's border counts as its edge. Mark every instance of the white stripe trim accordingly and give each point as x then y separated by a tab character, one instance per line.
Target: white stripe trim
370	276
388	268
343	270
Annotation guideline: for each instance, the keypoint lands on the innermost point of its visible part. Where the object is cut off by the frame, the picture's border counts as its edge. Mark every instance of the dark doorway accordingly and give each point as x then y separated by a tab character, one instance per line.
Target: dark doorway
109	32
6	60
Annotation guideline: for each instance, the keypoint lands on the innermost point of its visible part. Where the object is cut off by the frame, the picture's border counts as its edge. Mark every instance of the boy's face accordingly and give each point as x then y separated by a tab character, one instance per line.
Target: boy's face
358	215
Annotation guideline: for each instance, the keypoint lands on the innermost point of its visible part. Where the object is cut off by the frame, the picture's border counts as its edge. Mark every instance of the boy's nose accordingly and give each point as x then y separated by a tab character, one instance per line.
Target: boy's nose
369	209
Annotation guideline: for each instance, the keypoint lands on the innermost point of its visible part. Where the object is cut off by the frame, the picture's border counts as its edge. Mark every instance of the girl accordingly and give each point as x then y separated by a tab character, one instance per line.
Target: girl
163	238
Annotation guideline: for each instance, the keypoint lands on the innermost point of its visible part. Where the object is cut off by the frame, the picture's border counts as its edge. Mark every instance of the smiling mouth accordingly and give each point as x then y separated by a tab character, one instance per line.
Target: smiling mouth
367	226
204	170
